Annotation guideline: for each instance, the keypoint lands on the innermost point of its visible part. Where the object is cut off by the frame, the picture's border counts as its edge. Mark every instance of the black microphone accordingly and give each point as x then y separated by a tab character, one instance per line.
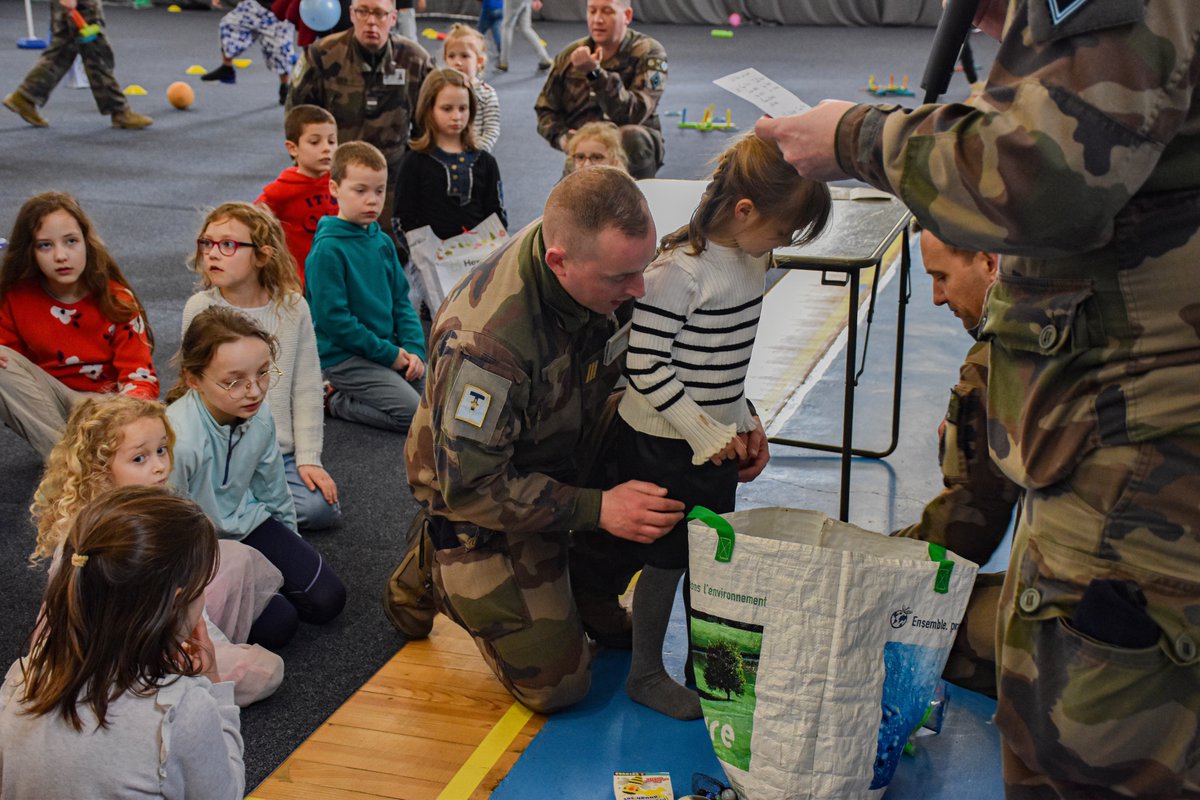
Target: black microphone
952	31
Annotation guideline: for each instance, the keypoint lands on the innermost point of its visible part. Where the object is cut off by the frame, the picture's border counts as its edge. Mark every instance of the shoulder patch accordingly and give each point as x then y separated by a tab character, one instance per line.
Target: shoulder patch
1050	20
473	408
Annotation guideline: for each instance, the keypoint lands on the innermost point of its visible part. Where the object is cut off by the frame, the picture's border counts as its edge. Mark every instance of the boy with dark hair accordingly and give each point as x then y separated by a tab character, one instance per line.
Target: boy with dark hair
369	339
300	196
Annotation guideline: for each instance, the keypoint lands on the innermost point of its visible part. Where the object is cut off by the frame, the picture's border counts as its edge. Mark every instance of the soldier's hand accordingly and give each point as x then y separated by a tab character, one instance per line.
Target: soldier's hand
638	511
585	60
69	5
757	454
808	140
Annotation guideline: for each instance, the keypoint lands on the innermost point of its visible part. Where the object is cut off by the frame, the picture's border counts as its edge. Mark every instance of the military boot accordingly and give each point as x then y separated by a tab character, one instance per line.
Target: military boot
20	105
131	120
408	599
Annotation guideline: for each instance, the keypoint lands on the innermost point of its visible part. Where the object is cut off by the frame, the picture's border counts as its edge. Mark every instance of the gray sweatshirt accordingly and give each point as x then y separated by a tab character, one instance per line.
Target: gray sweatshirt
183	741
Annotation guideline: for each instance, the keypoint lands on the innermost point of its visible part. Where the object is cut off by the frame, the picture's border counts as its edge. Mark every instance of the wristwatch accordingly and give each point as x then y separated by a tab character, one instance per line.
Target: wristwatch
591	76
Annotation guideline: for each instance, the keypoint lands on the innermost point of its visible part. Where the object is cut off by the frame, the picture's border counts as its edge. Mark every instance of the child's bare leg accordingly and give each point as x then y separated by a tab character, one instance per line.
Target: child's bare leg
648	682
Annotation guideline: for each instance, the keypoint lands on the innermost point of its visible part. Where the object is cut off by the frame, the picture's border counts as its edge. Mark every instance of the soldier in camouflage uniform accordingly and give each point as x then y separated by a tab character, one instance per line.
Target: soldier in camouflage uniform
615	75
523	358
972	514
1081	158
56	60
369	79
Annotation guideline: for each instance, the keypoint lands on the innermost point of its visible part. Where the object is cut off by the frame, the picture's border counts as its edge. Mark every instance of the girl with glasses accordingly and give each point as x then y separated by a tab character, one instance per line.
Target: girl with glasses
596	144
70	324
227	455
244	264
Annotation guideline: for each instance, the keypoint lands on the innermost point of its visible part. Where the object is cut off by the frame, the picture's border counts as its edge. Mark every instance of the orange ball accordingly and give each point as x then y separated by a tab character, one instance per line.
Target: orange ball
180	95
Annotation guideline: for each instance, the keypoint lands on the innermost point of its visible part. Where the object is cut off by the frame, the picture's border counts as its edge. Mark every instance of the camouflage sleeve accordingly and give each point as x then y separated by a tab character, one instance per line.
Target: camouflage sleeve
551	118
972	514
307	86
478	401
1075	115
637	103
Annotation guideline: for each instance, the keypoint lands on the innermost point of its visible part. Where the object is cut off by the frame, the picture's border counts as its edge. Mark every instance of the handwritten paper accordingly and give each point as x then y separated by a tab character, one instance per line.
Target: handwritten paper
754	87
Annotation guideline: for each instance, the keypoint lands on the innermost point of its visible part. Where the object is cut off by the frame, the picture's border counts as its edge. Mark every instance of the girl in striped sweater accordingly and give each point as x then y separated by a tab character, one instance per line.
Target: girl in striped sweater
685	421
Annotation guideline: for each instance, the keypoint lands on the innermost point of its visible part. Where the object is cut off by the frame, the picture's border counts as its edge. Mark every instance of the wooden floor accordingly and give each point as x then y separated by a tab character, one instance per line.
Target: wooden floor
409	730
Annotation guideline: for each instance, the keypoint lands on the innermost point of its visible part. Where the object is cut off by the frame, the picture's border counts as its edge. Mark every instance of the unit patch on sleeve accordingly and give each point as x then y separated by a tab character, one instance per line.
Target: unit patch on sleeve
475	403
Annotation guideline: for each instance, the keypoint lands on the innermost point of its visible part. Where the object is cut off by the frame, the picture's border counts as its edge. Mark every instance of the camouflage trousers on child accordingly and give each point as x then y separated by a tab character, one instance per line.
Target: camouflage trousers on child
1100	689
56	60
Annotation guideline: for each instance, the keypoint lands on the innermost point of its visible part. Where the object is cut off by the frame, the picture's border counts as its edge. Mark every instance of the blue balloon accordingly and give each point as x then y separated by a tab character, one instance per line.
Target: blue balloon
320	15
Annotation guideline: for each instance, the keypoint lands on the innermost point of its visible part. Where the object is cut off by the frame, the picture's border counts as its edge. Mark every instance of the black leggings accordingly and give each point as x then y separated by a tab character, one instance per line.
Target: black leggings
309	583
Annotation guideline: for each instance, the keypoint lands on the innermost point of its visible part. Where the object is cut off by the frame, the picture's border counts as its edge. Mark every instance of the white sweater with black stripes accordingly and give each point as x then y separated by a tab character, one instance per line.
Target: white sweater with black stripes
690	345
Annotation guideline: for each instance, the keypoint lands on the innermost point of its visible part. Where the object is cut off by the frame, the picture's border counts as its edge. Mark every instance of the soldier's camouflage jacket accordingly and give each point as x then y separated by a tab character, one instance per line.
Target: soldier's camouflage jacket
971	515
1082	159
372	99
518	375
626	92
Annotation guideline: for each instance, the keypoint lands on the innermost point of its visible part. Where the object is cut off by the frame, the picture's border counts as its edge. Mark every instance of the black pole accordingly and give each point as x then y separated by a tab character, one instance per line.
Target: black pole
952	30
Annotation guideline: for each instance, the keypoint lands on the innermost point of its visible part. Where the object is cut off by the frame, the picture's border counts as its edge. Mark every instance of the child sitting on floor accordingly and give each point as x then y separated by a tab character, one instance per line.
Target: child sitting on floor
114	441
300	196
370	341
119	695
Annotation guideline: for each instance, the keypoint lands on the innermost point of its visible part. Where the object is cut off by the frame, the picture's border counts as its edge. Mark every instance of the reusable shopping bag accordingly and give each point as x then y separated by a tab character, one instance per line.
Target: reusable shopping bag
817	647
442	263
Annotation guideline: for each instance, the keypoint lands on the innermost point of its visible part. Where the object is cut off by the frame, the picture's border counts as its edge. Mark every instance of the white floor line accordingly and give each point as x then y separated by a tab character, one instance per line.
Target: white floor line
790	406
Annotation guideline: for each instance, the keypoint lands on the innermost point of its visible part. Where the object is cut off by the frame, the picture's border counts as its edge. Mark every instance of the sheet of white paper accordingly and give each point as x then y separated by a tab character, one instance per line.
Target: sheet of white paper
754	87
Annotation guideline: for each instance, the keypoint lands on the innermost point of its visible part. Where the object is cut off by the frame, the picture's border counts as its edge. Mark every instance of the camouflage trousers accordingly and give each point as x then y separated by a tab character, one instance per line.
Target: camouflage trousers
1110	708
56	60
512	593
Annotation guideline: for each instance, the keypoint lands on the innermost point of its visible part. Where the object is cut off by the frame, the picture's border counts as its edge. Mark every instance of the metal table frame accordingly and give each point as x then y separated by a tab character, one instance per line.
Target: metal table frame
851	267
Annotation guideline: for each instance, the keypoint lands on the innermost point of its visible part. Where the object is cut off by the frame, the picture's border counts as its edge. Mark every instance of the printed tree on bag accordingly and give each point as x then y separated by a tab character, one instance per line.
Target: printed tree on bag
724	668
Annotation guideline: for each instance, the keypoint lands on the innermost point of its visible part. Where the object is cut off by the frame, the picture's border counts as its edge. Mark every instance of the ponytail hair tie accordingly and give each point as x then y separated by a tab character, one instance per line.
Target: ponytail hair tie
78	559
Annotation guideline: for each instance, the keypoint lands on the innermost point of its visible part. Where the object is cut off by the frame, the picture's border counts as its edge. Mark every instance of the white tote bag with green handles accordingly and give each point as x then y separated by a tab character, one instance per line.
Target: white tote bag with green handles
817	646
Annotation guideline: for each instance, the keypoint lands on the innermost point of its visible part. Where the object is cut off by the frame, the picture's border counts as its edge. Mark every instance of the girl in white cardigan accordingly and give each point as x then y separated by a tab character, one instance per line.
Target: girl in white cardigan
243	262
686	423
119	695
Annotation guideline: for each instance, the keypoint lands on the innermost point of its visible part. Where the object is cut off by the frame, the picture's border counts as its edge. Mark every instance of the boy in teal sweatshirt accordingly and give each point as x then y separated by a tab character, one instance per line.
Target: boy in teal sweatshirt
369	339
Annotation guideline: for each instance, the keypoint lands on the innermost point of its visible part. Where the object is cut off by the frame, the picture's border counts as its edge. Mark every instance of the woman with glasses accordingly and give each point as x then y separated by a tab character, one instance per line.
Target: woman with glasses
596	144
243	263
227	457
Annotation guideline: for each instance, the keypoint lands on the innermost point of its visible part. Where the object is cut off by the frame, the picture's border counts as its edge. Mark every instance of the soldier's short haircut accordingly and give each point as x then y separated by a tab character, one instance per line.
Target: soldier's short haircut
962	252
359	153
300	117
588	201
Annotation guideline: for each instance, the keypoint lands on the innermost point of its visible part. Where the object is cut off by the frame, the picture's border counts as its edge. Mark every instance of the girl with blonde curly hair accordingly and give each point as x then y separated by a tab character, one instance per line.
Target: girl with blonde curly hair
118	440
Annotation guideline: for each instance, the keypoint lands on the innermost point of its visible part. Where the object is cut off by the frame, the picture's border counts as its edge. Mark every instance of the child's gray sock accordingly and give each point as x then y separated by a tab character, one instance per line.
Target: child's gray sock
649	683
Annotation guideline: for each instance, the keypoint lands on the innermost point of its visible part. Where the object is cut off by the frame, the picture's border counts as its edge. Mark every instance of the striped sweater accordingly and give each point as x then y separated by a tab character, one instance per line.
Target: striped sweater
690	345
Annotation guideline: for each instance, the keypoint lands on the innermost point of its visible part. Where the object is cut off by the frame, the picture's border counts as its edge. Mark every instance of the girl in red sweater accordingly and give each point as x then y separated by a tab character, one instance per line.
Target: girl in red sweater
70	325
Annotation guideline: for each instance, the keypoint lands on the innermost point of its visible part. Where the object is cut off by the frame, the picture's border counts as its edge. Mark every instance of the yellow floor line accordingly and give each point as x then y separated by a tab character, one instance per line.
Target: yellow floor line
476	768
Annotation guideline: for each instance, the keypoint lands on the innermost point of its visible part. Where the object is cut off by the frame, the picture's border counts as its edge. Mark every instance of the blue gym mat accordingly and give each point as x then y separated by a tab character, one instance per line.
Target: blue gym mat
578	750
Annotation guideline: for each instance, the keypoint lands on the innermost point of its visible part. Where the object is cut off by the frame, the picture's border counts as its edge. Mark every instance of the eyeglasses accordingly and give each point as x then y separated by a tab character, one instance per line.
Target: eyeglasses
265	381
364	13
227	246
594	158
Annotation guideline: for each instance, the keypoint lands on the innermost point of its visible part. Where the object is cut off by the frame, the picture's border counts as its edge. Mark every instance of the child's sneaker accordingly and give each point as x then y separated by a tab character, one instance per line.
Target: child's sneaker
131	120
20	105
500	67
224	73
544	65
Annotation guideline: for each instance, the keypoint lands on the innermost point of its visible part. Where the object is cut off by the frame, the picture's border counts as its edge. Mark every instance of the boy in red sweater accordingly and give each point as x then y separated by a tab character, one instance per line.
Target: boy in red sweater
300	196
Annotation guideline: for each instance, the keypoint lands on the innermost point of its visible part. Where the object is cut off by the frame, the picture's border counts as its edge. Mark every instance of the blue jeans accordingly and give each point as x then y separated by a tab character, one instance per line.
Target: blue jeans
312	512
489	20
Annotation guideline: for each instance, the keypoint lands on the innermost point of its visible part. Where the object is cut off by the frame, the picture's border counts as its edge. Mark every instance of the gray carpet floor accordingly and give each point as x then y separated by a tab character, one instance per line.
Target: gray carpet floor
147	191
